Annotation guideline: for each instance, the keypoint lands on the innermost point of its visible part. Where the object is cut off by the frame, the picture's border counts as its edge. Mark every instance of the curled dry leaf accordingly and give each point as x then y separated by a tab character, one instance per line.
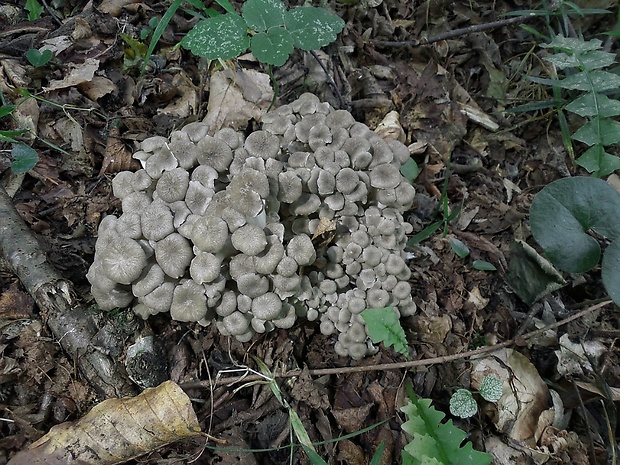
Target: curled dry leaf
117	156
390	127
117	430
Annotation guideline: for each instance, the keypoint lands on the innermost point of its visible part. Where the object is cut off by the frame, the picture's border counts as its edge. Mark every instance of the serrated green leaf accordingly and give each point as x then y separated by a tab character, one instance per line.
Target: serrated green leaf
313	27
24	158
589	61
564	211
460	249
410	170
598	162
223	37
482	265
436	442
593	81
602	131
262	15
383	325
491	388
272	47
593	105
574	45
463	404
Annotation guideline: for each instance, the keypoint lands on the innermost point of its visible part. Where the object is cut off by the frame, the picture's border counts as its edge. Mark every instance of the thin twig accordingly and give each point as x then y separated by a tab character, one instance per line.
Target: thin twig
402	365
454	33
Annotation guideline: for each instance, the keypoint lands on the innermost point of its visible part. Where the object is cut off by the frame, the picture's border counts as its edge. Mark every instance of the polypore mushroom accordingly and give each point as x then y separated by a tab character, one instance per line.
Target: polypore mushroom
174	254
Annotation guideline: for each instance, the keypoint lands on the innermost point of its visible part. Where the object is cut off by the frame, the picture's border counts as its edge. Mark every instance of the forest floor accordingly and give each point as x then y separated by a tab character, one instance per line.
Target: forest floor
451	93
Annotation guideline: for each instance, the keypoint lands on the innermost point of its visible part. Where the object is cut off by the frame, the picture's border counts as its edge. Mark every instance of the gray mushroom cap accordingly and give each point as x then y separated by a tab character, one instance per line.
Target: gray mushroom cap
252	284
205	267
301	249
249	239
157	221
151	277
262	144
214	152
122	260
160	161
174	254
172	185
385	176
189	302
267	306
236	323
210	234
159	299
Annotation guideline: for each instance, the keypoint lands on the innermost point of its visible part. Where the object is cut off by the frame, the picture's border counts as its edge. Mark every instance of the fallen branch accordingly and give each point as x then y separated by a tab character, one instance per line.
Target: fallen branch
402	365
73	325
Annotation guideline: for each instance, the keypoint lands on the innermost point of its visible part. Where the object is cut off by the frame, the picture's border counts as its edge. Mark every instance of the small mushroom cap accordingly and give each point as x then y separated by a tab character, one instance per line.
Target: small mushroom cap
157	221
174	254
267	261
160	298
122	260
236	323
189	302
306	204
267	306
214	152
136	202
205	267
152	276
290	187
184	149
162	160
210	234
227	305
129	225
249	239
252	284
123	184
347	180
301	249
198	197
262	144
339	119
196	130
385	176
172	185
109	300
233	138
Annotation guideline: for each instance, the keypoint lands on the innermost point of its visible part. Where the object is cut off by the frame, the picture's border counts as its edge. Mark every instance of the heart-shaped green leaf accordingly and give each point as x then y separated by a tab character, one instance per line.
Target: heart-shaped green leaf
564	211
313	27
223	36
24	158
263	14
37	58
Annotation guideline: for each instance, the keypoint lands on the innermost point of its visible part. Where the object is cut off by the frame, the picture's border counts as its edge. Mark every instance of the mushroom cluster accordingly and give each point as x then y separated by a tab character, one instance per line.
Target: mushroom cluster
300	219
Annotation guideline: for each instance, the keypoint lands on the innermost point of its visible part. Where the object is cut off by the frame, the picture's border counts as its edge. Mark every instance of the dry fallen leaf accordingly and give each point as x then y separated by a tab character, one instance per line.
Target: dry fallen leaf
79	74
117	430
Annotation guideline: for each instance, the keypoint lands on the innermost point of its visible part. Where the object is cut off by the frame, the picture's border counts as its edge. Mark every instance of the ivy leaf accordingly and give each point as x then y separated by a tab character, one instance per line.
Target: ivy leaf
463	404
262	15
24	158
384	326
313	27
223	37
272	47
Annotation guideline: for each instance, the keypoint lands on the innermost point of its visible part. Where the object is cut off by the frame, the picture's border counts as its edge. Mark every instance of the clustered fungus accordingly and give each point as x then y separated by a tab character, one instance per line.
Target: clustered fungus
301	219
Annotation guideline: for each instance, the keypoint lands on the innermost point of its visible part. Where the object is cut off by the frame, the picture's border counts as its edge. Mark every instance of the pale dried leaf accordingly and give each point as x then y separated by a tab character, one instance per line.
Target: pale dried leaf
79	74
117	430
97	87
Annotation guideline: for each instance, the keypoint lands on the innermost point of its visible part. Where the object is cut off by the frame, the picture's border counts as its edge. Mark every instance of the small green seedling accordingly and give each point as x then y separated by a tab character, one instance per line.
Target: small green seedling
34	9
383	325
37	58
267	28
463	404
24	157
462	251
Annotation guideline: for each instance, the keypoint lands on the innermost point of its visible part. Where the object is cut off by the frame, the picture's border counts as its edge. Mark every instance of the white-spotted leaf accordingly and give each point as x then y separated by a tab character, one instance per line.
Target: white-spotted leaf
312	27
261	15
491	388
272	47
463	404
223	36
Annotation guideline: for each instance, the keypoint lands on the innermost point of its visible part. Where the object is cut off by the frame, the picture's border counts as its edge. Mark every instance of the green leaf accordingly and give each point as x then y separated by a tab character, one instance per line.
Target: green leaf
593	105
592	60
315	458
262	15
313	27
159	30
424	234
383	325
460	249
491	388
435	442
561	215
37	58
594	81
599	131
574	45
410	170
34	9
24	158
463	404
7	136
378	455
482	265
610	271
223	37
272	47
598	162
6	110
